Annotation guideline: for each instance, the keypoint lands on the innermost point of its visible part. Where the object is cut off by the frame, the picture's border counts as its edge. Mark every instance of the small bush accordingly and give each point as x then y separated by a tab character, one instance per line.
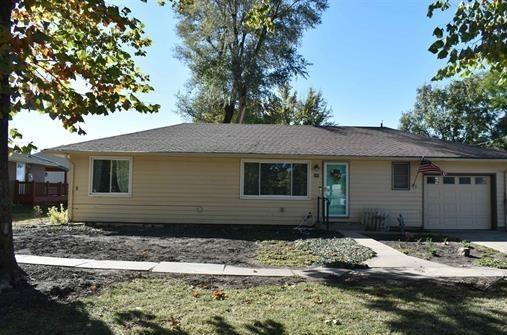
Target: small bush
58	216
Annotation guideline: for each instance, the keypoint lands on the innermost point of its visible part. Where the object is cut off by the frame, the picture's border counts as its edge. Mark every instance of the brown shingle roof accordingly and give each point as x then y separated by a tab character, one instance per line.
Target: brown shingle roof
282	140
40	159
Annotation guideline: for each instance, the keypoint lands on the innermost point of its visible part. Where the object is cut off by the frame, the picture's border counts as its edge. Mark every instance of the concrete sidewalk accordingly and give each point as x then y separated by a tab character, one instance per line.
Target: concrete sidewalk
387	263
390	260
180	267
492	239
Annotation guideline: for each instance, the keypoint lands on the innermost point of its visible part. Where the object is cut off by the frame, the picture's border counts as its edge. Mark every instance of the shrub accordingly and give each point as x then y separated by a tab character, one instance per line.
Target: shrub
58	216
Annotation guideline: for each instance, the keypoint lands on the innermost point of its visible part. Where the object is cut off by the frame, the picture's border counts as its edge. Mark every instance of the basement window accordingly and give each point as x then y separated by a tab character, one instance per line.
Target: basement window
110	176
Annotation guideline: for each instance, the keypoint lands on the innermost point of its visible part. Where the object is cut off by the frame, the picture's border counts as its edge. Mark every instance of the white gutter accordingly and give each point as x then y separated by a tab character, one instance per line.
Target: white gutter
276	155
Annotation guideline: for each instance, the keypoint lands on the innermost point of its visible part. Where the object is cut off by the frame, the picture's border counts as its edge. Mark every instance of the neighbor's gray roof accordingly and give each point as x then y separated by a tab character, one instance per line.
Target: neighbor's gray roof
40	159
281	140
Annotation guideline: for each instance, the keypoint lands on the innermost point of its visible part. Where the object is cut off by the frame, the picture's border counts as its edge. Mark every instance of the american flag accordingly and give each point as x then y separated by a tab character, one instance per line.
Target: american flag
427	166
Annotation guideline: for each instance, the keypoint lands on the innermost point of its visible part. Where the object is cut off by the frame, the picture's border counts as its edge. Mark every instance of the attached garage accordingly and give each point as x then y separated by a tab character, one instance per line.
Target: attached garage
458	202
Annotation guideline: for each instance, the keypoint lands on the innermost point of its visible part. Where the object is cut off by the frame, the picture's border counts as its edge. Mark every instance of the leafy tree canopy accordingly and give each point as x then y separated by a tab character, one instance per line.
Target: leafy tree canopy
286	108
66	59
467	111
282	107
475	39
74	58
238	51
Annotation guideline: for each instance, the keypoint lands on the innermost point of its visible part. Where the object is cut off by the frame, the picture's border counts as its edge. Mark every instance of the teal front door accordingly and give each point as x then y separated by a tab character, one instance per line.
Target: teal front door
336	188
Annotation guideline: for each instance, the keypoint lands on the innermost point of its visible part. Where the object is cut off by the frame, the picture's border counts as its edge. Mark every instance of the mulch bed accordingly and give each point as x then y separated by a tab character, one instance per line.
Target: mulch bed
437	248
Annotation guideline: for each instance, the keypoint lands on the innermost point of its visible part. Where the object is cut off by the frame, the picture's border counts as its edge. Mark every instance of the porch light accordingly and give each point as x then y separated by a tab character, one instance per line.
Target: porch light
316	168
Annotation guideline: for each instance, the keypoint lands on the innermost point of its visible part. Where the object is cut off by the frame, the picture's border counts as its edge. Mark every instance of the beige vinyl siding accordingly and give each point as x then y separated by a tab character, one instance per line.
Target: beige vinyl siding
182	190
371	187
207	190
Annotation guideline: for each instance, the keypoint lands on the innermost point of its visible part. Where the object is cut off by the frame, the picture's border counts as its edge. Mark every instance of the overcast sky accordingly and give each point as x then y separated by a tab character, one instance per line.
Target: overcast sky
368	57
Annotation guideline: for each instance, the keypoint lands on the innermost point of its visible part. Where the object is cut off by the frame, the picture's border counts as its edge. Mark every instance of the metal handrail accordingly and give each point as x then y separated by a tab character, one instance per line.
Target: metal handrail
325	211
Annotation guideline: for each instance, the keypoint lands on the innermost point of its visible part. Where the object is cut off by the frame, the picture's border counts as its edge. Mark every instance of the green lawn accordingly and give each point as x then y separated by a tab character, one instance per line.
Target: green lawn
354	306
491	258
334	252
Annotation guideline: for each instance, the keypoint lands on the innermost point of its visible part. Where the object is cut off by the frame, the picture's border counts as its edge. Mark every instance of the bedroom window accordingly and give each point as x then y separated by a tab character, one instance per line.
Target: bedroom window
401	176
275	179
110	176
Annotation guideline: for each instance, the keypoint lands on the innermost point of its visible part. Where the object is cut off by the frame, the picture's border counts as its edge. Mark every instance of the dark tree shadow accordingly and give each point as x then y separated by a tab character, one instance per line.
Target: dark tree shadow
221	326
25	310
450	305
267	327
147	321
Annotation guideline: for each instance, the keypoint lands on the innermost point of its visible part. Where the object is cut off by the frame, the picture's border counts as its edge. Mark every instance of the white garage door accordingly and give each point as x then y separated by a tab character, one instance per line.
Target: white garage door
457	202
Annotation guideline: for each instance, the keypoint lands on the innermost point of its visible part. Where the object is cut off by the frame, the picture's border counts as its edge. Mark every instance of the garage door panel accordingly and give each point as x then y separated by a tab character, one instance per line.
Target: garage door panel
463	205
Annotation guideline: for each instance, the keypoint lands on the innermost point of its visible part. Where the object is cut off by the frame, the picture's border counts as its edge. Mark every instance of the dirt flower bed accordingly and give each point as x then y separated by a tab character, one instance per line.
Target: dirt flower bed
332	252
443	249
184	243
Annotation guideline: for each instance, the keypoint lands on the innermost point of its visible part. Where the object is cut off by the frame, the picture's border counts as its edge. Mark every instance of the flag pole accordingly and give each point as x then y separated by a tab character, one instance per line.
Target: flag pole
417	174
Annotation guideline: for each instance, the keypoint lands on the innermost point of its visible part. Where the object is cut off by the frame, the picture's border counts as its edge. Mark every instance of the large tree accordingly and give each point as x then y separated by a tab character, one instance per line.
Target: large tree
66	59
285	107
466	111
475	38
236	62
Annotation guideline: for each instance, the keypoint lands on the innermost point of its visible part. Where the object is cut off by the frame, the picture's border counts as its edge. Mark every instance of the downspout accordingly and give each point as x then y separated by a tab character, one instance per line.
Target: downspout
70	200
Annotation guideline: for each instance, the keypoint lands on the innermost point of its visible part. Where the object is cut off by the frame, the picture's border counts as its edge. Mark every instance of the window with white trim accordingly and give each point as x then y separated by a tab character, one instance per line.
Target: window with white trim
111	176
275	179
400	176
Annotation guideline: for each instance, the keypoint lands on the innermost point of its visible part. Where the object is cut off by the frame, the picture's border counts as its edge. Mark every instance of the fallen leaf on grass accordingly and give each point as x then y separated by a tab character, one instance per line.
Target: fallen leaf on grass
218	295
174	322
196	294
318	301
308	289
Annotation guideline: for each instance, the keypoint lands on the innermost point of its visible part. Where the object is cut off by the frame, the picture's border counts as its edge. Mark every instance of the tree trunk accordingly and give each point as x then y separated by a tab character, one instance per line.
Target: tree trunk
242	108
9	269
229	112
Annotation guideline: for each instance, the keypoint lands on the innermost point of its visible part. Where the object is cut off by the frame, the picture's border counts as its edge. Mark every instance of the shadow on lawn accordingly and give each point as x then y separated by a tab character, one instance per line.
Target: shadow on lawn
148	324
26	310
433	307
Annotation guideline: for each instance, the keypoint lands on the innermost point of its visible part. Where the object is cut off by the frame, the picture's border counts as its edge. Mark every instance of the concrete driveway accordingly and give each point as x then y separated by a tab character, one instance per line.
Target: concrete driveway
492	239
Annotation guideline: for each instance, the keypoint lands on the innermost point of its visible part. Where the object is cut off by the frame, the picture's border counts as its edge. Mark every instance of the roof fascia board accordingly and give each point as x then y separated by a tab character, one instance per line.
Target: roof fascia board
292	156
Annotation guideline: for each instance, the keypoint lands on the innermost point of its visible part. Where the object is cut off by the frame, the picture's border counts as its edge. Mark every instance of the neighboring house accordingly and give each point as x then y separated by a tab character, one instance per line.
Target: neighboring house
38	178
274	174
